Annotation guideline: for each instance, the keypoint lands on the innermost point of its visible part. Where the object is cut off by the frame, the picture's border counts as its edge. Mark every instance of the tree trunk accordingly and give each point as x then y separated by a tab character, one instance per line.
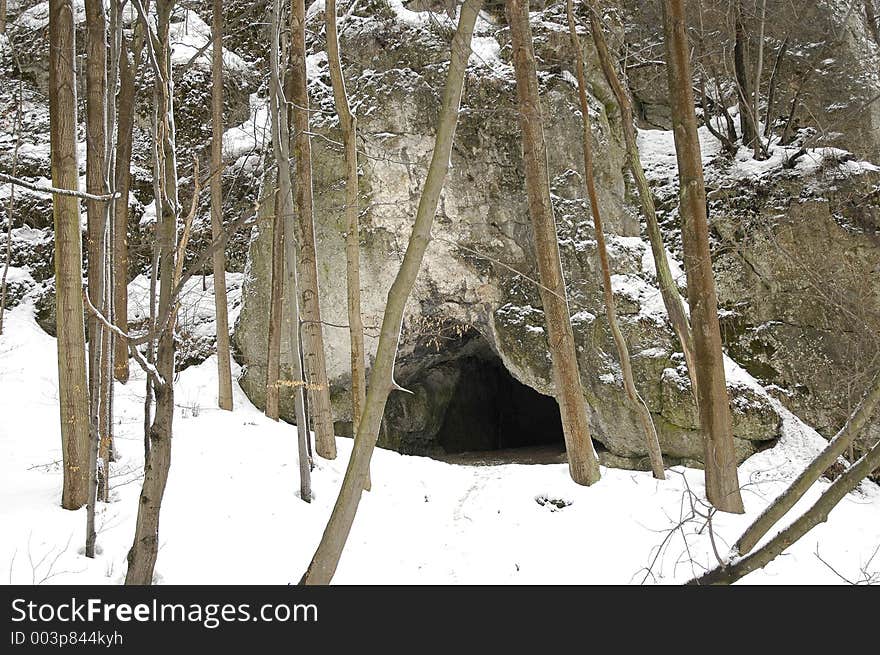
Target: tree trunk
142	556
326	558
668	288
743	81
276	288
72	379
98	215
756	99
582	461
313	336
818	513
284	211
632	394
795	491
10	207
348	125
128	70
722	483
224	366
771	87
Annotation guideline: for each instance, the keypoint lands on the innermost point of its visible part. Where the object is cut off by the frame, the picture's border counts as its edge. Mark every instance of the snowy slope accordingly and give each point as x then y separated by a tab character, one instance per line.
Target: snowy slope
231	514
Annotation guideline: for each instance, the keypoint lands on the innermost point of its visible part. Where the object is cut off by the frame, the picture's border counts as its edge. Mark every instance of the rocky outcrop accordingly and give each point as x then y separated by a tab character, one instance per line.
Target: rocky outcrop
798	269
476	291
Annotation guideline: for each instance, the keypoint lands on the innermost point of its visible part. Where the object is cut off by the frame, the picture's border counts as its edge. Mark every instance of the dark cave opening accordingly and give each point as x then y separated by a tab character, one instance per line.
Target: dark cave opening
466	407
491	410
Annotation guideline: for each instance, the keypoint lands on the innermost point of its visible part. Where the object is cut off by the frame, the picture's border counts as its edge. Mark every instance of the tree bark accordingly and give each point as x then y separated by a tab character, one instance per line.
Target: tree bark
284	211
795	491
743	80
144	550
326	557
313	336
632	394
756	98
722	482
276	288
72	378
224	365
582	461
128	70
98	215
668	289
348	125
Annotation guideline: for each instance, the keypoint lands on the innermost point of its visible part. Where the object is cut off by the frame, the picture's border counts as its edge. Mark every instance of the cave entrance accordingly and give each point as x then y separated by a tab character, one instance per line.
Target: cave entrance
466	407
490	410
491	417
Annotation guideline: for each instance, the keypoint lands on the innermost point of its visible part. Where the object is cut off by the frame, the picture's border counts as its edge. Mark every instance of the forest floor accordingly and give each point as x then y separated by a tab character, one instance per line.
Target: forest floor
232	515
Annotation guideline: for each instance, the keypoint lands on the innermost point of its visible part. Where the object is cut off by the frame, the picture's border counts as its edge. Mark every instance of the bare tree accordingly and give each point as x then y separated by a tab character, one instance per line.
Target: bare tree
668	289
837	447
10	206
582	461
722	482
276	288
224	370
743	77
348	124
326	557
145	547
129	63
72	379
98	214
284	209
632	394
734	568
313	338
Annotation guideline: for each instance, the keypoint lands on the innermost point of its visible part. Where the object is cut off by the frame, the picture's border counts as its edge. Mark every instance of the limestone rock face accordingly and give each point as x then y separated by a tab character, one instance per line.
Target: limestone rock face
476	296
798	268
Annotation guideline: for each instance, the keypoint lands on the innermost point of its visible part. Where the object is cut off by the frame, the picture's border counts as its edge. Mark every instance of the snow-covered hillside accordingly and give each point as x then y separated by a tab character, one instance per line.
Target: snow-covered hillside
232	514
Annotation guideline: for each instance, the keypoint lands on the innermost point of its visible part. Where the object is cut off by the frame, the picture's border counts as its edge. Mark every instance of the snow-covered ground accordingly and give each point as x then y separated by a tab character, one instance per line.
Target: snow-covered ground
231	512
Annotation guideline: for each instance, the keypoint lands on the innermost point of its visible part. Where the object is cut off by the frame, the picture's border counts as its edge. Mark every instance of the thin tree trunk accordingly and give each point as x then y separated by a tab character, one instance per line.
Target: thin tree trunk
224	366
795	491
313	337
759	67
276	288
743	82
142	556
348	124
582	461
10	207
105	448
668	289
284	211
771	87
326	557
730	572
128	70
722	482
72	378
632	394
97	214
